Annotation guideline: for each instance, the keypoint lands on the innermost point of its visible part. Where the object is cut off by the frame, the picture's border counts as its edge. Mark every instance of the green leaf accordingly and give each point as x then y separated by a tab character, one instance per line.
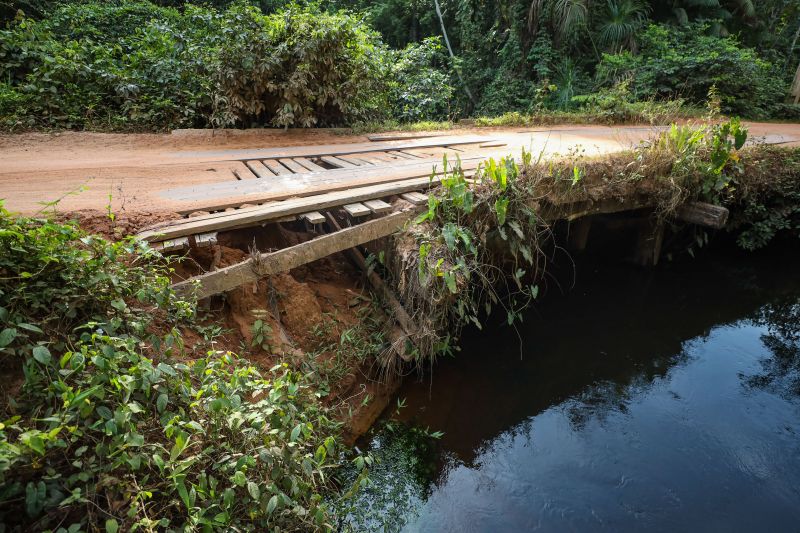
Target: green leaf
112	526
272	504
295	432
239	478
7	336
254	491
182	492
161	402
42	354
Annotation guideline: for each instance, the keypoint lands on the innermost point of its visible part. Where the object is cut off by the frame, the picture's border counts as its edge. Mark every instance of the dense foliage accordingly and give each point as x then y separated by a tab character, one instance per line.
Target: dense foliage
114	424
135	64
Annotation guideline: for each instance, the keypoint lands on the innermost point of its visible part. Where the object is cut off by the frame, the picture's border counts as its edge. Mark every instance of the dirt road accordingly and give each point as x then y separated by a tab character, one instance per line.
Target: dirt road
127	172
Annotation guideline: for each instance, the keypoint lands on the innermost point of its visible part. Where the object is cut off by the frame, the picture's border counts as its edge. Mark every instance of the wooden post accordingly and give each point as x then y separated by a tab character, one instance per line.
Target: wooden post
579	234
648	243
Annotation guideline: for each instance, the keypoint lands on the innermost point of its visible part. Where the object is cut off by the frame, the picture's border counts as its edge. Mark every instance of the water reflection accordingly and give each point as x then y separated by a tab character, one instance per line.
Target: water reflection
667	400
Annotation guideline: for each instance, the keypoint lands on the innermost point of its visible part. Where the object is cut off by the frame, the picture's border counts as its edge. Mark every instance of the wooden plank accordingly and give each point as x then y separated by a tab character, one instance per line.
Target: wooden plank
381	156
339	163
277	168
378	207
415	156
358	161
400	136
314	217
172	245
493	144
415	198
703	214
252	216
243	174
295	167
334	149
284	260
357	209
221	195
400	155
205	240
309	164
374	160
259	169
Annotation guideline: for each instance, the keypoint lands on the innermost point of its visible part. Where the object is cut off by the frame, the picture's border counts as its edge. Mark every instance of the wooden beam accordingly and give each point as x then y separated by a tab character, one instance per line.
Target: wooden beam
337	149
309	164
258	168
378	207
357	209
276	168
294	166
284	260
415	198
337	162
400	136
314	217
215	196
398	312
703	214
251	216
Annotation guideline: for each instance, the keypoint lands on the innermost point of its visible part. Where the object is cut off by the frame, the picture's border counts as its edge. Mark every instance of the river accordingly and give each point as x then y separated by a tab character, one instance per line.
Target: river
662	400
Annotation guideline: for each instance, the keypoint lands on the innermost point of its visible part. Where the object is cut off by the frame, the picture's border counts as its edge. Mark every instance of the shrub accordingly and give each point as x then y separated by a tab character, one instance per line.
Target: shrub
422	87
685	62
132	65
114	426
300	67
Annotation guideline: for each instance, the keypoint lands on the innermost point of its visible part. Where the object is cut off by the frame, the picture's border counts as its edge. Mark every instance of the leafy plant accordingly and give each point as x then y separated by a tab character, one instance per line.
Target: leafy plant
116	424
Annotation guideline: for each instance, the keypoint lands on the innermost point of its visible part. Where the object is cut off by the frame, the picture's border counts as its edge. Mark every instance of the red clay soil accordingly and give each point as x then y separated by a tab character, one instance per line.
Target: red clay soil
91	171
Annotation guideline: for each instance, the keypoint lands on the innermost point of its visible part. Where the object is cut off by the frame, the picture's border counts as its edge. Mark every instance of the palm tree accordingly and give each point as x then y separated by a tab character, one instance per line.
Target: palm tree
619	22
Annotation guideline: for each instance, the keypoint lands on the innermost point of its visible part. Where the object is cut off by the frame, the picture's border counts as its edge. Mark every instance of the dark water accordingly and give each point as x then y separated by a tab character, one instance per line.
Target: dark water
664	401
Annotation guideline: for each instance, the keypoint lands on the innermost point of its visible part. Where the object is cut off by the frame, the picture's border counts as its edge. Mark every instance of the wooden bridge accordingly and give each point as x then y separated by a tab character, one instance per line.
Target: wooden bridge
361	192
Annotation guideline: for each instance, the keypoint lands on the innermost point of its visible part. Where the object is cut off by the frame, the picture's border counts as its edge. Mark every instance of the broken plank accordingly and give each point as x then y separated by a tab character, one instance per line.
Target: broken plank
337	162
309	164
378	207
284	260
259	169
415	198
314	217
252	216
357	209
294	166
276	167
703	214
172	245
205	240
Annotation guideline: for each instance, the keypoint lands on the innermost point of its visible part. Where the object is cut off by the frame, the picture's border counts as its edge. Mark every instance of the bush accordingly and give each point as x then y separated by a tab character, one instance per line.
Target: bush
686	62
422	87
132	65
114	426
299	67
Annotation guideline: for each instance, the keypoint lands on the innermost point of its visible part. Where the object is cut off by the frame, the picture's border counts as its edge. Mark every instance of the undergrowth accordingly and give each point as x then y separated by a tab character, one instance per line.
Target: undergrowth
111	422
483	243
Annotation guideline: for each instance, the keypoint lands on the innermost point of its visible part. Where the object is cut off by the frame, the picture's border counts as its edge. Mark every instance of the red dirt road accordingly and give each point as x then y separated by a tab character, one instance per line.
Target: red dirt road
90	171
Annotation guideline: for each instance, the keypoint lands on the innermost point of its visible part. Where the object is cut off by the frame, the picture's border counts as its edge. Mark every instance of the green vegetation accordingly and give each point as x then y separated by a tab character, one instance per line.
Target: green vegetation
139	65
115	422
484	242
